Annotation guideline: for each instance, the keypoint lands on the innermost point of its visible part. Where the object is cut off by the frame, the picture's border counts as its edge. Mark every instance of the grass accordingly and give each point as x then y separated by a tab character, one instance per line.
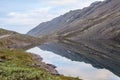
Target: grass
14	66
3	31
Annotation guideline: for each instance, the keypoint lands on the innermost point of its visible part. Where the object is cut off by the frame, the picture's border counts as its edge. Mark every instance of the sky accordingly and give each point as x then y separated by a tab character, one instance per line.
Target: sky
23	15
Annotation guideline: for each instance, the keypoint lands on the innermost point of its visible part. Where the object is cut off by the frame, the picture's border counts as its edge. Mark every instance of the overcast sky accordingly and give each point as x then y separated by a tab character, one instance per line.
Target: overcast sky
23	15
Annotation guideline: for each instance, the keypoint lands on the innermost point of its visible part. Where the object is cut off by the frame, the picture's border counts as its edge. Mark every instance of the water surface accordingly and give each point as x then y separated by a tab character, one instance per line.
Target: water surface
74	68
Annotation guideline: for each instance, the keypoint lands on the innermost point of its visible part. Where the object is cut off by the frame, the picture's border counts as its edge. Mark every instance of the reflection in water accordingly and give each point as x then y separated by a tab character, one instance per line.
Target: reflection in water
100	54
72	68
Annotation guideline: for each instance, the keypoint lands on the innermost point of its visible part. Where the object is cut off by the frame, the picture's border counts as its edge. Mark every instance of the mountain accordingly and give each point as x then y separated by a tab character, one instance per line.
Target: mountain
101	20
11	39
54	25
102	23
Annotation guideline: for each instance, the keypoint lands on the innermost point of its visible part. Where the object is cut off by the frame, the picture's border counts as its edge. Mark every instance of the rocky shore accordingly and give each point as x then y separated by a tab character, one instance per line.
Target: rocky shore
39	63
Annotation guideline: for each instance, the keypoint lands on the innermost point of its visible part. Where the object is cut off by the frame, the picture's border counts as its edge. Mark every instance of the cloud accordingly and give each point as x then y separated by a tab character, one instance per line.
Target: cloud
68	4
28	18
62	2
31	17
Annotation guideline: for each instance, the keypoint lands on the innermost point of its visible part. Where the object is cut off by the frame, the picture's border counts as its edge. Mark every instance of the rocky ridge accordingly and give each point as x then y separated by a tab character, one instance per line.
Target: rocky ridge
58	23
98	21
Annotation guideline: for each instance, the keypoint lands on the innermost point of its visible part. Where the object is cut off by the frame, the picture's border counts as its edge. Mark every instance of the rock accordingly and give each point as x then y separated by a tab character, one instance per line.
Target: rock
1	60
38	63
51	65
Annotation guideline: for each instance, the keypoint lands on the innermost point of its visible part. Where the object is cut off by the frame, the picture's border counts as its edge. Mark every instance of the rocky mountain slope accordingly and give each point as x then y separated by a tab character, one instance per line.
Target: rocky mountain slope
56	24
102	23
98	21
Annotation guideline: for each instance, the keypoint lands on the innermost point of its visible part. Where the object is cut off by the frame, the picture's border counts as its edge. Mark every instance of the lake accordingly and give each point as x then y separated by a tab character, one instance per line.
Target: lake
74	64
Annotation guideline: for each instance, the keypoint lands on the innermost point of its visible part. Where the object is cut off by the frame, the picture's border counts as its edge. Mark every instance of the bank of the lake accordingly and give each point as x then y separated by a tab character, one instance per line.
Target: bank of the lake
19	65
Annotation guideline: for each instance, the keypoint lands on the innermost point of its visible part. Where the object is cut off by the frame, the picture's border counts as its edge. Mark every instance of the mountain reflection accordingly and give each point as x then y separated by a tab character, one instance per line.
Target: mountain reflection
98	53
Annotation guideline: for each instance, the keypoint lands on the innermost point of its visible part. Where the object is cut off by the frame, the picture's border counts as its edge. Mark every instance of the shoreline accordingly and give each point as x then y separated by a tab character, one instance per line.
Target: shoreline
39	63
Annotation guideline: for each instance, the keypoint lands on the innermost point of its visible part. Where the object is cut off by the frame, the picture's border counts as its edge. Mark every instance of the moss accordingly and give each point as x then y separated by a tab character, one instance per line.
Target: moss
15	67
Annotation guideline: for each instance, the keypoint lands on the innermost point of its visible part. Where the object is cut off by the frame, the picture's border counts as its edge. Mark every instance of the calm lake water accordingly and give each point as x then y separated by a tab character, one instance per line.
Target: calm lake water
79	69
